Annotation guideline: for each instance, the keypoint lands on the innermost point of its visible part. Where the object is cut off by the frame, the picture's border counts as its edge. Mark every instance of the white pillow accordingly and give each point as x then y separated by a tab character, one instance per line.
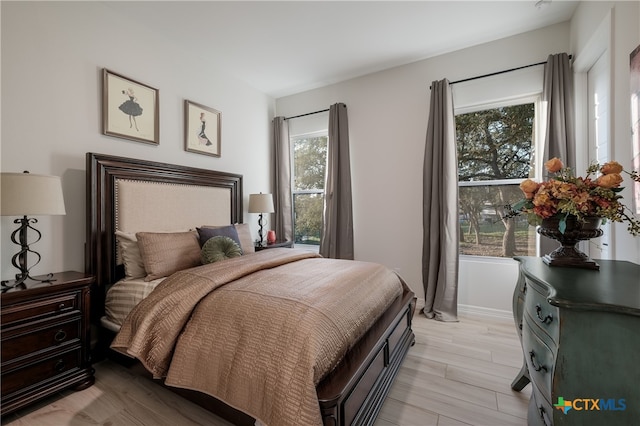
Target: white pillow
130	254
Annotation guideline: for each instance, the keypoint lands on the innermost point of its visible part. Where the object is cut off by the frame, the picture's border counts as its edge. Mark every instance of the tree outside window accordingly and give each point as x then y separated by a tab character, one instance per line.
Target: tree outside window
495	153
309	165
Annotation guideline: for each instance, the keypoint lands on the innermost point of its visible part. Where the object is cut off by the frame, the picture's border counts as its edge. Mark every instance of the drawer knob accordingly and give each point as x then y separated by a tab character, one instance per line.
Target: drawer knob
60	336
545	320
59	367
540	367
61	306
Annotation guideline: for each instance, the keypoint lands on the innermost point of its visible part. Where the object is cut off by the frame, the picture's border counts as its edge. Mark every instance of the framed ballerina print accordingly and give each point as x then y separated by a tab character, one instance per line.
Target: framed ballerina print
129	109
201	129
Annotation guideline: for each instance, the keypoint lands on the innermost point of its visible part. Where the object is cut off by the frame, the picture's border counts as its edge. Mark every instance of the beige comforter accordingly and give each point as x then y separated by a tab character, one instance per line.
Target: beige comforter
276	324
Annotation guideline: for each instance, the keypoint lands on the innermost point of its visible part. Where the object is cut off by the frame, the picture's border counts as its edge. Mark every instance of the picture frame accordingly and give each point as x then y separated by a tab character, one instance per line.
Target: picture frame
130	109
202	129
634	62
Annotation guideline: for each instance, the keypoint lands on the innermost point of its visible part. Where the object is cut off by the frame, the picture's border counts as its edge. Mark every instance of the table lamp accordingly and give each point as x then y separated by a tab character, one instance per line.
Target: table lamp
261	203
26	194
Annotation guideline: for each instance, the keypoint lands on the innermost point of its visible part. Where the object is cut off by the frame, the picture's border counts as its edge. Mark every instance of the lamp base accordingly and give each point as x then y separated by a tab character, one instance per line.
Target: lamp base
20	281
19	260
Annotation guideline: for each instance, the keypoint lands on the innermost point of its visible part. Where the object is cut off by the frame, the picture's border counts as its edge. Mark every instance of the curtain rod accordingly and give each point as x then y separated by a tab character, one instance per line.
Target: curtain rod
499	72
309	113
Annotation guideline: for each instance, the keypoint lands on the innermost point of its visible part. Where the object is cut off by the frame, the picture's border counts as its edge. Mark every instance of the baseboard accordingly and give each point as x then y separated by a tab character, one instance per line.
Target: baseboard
486	312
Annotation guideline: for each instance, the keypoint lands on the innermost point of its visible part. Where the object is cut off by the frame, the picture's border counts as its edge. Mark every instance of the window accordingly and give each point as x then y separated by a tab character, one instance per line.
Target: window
495	153
309	165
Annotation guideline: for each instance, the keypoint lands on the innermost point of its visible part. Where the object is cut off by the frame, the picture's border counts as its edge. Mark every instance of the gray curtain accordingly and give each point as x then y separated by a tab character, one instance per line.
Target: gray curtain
440	208
559	136
282	198
337	227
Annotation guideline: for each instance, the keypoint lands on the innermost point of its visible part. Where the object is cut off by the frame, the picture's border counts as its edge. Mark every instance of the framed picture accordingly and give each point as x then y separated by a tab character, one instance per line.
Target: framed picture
635	121
201	129
129	109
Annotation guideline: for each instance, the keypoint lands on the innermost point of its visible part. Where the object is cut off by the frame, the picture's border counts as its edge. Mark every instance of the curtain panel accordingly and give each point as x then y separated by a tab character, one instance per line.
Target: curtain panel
283	195
440	208
558	113
337	228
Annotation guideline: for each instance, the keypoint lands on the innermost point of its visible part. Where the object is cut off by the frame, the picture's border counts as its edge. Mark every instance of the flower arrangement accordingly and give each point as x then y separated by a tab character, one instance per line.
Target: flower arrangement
565	194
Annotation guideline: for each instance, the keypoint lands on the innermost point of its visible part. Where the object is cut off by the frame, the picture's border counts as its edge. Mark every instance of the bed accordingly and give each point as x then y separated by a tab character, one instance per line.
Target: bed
125	196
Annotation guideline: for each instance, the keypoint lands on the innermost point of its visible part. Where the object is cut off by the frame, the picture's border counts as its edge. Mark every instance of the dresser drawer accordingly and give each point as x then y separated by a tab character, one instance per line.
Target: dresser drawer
40	308
544	315
31	339
40	371
543	408
540	358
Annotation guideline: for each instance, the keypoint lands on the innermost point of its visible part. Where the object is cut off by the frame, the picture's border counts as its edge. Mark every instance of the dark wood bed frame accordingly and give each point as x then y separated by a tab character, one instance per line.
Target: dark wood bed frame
352	394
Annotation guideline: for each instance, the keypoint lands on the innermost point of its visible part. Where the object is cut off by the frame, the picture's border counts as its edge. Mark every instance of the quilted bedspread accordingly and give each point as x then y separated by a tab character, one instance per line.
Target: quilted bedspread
258	331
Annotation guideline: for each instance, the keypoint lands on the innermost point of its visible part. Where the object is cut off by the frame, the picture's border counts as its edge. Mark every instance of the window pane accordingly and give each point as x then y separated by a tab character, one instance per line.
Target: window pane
307	209
483	232
496	143
309	162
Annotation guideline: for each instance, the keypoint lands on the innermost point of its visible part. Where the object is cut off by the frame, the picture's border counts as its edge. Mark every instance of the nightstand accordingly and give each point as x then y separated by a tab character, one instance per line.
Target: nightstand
285	244
45	339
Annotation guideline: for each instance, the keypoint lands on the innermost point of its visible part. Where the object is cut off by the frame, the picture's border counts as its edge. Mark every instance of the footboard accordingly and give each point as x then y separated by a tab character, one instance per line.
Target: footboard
354	392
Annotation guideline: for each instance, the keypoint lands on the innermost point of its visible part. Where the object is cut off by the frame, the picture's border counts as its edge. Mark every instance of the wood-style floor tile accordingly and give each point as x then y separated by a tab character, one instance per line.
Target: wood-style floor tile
457	374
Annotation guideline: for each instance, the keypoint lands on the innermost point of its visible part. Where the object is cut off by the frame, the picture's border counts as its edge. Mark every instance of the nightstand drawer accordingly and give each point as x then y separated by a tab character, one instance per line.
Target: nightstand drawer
45	338
48	368
543	314
28	339
40	308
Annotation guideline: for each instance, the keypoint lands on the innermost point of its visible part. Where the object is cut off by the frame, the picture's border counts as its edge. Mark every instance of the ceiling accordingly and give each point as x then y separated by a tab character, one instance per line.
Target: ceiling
286	47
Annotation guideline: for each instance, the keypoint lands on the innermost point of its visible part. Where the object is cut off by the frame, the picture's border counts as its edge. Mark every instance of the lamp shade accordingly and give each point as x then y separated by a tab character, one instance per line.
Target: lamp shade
261	203
26	194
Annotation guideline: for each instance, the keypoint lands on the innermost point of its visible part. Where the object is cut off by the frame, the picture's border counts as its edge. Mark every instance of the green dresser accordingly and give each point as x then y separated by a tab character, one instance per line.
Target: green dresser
580	335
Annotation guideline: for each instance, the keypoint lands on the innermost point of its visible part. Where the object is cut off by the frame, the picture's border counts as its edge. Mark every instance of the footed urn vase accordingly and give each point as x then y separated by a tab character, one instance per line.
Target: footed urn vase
576	230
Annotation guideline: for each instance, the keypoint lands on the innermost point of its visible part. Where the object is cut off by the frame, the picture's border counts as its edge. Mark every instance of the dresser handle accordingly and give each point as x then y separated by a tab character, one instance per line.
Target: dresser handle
545	320
533	363
543	415
61	306
60	336
59	367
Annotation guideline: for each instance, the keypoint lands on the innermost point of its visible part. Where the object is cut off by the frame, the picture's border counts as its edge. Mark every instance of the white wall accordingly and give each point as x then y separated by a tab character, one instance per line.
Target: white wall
624	36
52	58
388	121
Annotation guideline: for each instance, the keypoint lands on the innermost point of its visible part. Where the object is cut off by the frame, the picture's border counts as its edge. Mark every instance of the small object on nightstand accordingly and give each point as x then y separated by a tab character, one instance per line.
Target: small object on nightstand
284	244
271	237
45	339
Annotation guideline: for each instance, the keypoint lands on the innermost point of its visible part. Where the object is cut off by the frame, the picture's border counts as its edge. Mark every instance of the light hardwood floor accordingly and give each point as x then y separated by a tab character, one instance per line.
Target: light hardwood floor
456	374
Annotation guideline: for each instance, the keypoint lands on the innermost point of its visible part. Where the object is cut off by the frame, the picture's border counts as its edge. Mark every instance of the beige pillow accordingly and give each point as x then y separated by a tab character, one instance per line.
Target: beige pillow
244	235
166	253
130	255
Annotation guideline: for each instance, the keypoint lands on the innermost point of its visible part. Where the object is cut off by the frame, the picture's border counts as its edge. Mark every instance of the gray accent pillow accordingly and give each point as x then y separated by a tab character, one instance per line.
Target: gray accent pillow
219	248
230	231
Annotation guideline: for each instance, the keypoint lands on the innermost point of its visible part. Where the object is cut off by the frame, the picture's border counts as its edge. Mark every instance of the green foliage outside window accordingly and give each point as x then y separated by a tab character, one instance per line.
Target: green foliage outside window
494	145
309	165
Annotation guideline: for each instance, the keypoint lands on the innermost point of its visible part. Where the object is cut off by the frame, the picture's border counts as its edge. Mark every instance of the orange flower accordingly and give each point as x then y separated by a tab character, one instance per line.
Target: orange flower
554	165
529	187
612	180
611	167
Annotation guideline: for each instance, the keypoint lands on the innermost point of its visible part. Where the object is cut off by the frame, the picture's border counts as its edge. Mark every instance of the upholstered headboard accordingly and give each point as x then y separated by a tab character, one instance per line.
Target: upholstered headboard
133	195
